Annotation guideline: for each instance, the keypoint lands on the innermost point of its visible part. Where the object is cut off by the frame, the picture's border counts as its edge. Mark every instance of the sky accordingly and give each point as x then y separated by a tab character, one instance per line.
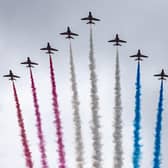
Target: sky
27	26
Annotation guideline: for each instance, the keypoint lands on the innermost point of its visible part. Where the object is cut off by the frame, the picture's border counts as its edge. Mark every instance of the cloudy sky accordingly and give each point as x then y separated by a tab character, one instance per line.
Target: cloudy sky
26	26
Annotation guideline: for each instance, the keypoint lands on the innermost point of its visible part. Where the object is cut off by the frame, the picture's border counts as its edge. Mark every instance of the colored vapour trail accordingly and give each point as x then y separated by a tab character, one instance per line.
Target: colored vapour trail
38	124
157	143
137	147
76	115
57	121
96	136
27	153
117	135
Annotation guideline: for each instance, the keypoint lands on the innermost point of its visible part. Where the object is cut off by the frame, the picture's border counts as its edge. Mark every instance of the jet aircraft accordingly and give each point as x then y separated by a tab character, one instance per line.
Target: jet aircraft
117	41
11	76
90	19
29	63
162	75
69	33
49	49
138	57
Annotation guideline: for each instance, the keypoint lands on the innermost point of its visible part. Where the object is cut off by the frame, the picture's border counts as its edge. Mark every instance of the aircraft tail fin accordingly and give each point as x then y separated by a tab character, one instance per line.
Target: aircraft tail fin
117	44
138	59
12	79
69	37
30	66
90	22
162	78
49	52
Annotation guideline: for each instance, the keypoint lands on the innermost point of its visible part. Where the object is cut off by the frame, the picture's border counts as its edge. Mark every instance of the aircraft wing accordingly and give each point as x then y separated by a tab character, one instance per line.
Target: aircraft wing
53	49
6	75
64	33
43	49
95	19
122	41
112	41
85	18
133	56
24	62
157	75
74	34
15	76
162	75
34	63
30	63
144	56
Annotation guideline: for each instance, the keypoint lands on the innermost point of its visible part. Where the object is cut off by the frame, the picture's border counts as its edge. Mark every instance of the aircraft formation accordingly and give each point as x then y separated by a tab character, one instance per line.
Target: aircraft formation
69	34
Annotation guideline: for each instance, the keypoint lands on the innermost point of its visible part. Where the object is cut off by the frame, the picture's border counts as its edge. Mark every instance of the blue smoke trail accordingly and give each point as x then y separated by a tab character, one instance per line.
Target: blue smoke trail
157	145
137	147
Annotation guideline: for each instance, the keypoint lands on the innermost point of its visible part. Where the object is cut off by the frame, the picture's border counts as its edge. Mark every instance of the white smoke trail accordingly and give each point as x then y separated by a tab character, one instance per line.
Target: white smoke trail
76	115
117	135
96	136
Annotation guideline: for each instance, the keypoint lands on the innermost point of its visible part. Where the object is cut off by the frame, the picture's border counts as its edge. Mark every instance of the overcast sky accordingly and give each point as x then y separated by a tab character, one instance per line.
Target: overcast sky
26	26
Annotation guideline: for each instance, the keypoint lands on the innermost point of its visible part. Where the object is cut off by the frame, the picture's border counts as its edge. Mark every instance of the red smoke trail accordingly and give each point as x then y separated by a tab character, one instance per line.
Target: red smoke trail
26	149
57	119
39	124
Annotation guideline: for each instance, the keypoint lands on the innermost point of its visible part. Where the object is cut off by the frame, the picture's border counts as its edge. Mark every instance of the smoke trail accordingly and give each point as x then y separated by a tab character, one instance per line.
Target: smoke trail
137	120
57	119
117	135
26	149
39	124
96	136
77	120
157	145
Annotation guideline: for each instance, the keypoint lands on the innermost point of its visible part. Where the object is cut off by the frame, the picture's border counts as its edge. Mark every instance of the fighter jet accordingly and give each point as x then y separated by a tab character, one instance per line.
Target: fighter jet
11	76
162	75
69	33
117	41
90	19
49	49
138	57
29	63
